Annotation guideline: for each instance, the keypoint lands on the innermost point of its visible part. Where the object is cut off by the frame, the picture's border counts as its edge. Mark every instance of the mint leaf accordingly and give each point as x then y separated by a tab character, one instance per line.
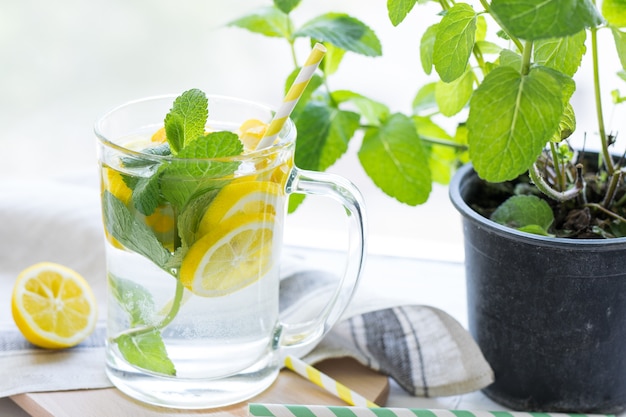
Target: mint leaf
620	45
323	135
130	232
442	160
427	46
398	9
332	59
198	167
286	6
189	219
547	19
344	32
371	110
267	21
511	119
186	120
614	12
452	97
147	351
525	212
146	193
393	158
456	34
425	99
134	299
563	54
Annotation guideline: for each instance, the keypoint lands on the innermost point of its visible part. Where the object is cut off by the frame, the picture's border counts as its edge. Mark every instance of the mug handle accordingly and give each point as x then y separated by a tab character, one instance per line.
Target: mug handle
297	339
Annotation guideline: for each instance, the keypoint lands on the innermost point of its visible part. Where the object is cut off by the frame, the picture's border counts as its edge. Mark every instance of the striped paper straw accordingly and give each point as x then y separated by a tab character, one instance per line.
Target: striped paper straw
329	384
281	410
293	95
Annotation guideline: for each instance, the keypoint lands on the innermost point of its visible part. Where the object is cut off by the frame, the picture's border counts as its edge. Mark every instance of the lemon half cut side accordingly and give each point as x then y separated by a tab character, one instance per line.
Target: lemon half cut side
53	306
231	256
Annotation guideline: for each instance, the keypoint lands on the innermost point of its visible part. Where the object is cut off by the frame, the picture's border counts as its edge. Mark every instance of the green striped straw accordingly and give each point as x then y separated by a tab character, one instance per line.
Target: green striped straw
293	95
282	410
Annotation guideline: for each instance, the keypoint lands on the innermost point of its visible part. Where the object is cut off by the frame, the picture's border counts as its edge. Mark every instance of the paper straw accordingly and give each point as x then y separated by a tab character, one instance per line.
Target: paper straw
329	384
293	95
281	410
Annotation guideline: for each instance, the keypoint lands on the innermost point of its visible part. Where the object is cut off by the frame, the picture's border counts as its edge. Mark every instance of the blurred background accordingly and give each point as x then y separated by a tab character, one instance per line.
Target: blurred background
64	63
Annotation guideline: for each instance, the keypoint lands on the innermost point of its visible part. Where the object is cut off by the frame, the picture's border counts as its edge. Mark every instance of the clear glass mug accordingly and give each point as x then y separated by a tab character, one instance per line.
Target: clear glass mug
193	258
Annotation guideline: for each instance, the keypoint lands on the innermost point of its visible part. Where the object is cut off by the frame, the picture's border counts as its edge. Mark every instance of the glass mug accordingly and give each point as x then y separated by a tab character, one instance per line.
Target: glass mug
193	250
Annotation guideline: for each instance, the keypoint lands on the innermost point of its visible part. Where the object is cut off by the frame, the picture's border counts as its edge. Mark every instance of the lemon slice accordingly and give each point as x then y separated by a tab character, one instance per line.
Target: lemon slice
245	197
231	256
251	132
53	306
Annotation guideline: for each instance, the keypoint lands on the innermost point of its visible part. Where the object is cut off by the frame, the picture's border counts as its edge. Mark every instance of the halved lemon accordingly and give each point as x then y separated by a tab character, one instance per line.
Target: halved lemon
244	197
53	306
230	257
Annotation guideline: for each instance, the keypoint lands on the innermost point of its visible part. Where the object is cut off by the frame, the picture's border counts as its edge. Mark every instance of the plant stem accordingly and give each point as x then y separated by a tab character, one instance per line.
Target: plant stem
599	113
604	210
527	57
545	188
610	193
558	168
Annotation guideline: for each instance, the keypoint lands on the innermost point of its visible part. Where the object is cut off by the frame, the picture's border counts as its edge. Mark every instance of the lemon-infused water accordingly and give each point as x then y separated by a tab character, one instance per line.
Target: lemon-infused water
193	242
193	217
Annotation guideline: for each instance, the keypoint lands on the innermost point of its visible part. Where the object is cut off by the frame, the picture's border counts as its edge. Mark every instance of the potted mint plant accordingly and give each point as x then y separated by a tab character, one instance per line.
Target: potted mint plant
544	221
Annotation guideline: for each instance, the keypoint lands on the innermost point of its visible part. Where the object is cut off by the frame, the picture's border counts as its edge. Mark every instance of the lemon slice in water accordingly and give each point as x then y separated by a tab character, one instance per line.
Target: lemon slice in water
53	306
242	197
231	256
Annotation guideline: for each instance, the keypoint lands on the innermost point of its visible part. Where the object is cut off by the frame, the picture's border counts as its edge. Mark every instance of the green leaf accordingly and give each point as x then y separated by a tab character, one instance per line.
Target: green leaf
442	160
398	9
511	119
189	219
454	42
614	11
452	97
567	125
425	99
187	119
487	47
509	58
323	135
563	54
393	157
268	21
332	59
286	6
481	28
147	351
344	32
427	46
146	193
134	299
199	167
372	111
130	232
620	45
527	212
532	20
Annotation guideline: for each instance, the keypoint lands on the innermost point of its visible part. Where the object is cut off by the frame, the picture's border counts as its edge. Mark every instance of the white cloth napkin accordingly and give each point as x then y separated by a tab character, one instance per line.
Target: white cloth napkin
424	349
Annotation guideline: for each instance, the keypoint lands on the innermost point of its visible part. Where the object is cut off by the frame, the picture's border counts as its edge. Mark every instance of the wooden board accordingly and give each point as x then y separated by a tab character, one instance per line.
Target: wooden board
289	388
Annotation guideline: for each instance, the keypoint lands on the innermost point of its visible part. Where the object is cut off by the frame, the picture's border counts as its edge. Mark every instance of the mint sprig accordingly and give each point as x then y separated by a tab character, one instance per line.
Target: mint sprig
188	181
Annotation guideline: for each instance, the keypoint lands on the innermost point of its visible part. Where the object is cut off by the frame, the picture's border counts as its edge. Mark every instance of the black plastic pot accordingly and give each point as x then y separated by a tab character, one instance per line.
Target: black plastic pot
549	314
